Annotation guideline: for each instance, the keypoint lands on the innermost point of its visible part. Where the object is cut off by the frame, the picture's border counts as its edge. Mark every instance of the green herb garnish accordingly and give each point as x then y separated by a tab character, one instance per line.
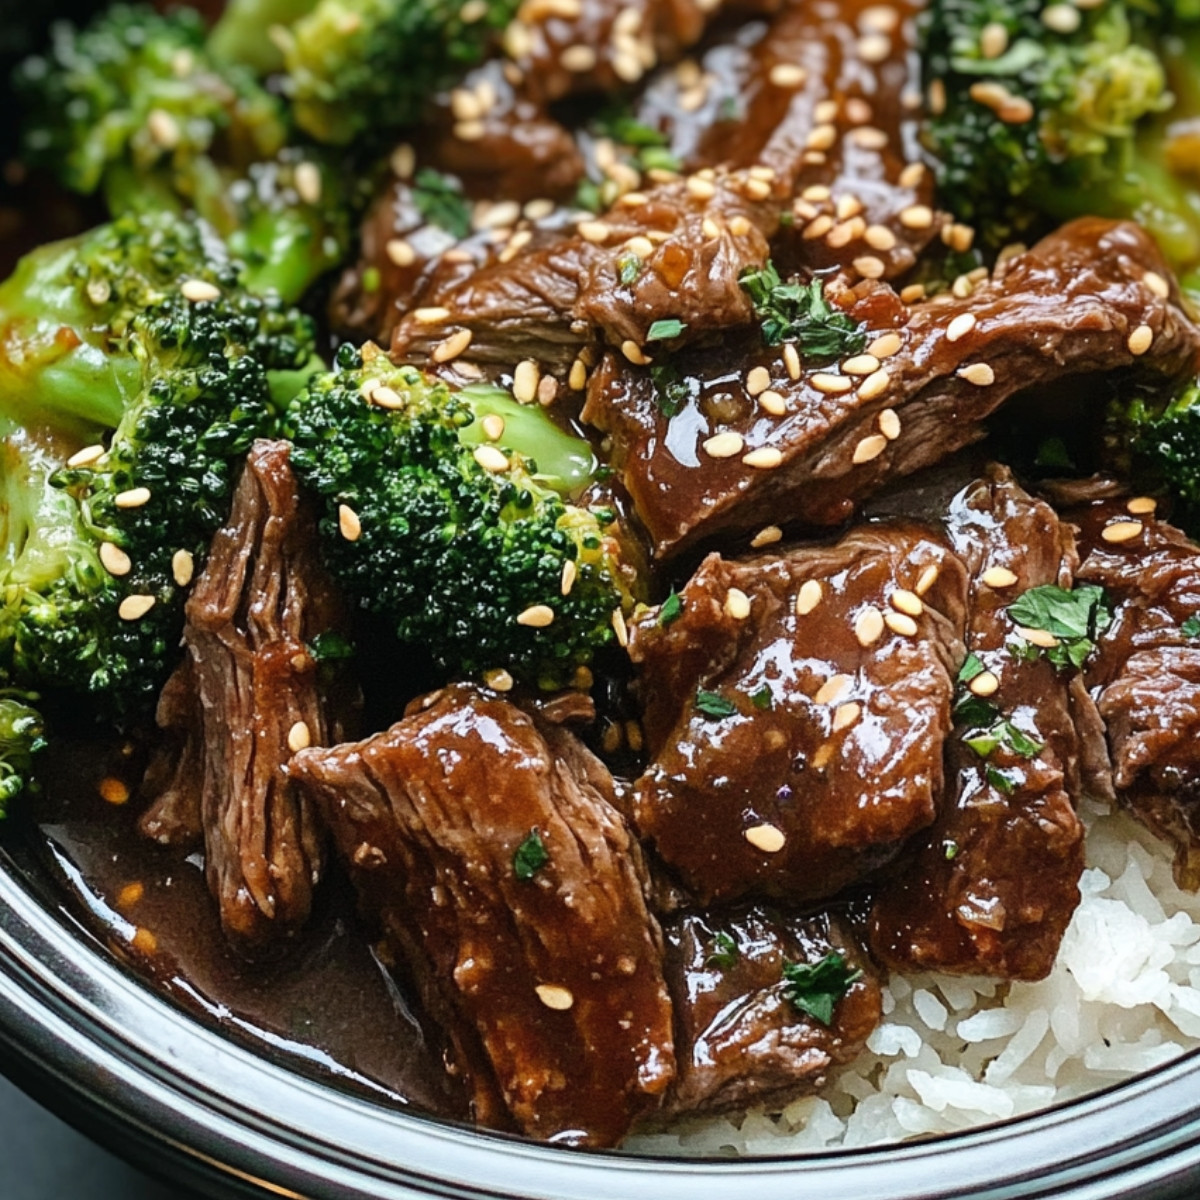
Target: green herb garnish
330	647
628	269
663	331
440	201
762	699
672	392
531	856
1191	627
1004	734
950	850
713	706
724	953
671	609
1000	780
1074	617
816	988
800	313
974	712
970	668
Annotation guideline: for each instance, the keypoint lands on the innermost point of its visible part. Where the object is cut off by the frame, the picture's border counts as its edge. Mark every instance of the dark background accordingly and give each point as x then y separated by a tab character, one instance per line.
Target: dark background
47	1160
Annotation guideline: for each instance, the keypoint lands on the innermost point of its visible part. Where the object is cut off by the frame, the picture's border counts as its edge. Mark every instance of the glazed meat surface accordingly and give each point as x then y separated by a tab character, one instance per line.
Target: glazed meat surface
795	712
741	1040
991	886
248	694
550	986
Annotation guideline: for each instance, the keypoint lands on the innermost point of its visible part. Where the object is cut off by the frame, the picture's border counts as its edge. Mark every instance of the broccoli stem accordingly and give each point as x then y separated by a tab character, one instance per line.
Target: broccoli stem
243	32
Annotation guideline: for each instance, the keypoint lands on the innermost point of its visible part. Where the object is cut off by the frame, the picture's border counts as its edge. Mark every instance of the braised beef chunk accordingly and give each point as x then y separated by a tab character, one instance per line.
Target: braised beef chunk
254	611
746	1033
488	846
174	777
991	886
795	710
1146	674
727	451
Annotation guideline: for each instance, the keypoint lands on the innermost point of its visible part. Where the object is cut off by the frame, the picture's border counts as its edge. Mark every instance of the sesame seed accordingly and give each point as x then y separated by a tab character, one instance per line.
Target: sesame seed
400	253
961	237
493	427
901	624
163	129
998	577
916	216
912	175
464	105
452	347
770	839
822	137
307	180
906	602
885	345
791	360
874	385
724	445
596	232
491	459
861	364
1061	18
788	75
386	397
768	535
536	616
431	316
986	683
183	567
834	688
555	997
845	715
348	523
818	227
818	192
1016	112
710	228
627	67
870	448
833	385
1141	505
993	40
868	627
640	246
620	628
756	189
848	206
470	131
577	379
772	402
739	226
1157	284
843	234
86	456
133	608
869	138
299	738
199	291
403	161
758	379
498	679
526	377
912	293
765	458
113	790
539	210
1038	637
980	374
1140	340
869	267
928	578
570	572
889	423
960	326
808	597
472	11
114	560
737	604
133	498
1121	531
936	93
880	237
874	48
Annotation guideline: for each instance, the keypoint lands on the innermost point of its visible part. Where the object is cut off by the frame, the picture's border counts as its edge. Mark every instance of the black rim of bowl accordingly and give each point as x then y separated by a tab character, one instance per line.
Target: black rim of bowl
93	1040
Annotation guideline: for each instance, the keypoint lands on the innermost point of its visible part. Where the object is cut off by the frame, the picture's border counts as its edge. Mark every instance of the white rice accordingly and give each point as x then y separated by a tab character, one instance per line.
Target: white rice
951	1052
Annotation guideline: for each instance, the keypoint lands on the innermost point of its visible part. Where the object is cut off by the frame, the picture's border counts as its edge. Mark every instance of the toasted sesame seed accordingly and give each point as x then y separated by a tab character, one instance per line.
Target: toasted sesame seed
86	456
451	347
808	597
962	287
1038	637
1061	18
464	105
880	237
770	839
912	175
515	244
889	424
834	688
403	161
818	227
961	237
620	628
874	385
199	291
1017	111
906	602
400	253
912	293
114	560
936	96
570	572
348	523
739	226
986	683
710	228
307	180
993	40
768	535
536	616
627	67
833	385
758	379
848	206
640	246
526	377
737	604
133	608
869	138
842	235
386	397
817	192
822	137
577	379
1141	505
870	267
861	364
980	374
916	216
960	326
1157	284
431	316
596	232
547	391
299	738
1121	531
540	209
900	623
765	458
845	715
133	498
470	131
756	189
163	129
823	756
724	445
998	577
183	567
928	578
772	402
493	427
868	627
788	75
874	47
498	679
1140	340
871	447
791	360
635	353
885	345
555	997
472	11
490	458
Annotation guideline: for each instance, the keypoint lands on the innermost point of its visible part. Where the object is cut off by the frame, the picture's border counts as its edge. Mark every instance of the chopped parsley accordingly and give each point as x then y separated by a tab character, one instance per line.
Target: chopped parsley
729	109
724	952
649	145
672	391
950	850
1191	627
762	699
815	988
1074	617
800	313
974	711
663	331
531	856
1002	781
713	706
671	609
440	201
1004	735
628	269
970	668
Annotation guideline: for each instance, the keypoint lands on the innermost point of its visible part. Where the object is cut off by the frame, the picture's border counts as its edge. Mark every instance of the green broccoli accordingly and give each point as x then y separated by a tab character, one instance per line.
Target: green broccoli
98	549
437	516
1050	110
359	69
20	740
247	32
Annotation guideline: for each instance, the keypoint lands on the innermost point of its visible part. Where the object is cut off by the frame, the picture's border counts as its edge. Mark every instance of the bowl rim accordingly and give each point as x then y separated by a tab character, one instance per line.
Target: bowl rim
95	1041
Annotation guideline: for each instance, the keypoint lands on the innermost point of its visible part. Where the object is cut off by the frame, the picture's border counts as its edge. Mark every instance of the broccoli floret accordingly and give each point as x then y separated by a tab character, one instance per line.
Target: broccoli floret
358	69
98	550
1048	110
245	31
20	740
469	547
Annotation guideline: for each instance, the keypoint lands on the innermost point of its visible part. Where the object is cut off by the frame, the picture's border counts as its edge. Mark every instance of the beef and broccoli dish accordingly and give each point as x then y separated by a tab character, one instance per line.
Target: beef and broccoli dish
571	562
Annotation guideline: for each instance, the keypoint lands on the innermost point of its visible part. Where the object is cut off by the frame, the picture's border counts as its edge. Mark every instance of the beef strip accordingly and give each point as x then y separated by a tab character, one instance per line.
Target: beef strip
1146	673
174	779
991	886
938	369
794	752
739	1040
551	987
250	690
